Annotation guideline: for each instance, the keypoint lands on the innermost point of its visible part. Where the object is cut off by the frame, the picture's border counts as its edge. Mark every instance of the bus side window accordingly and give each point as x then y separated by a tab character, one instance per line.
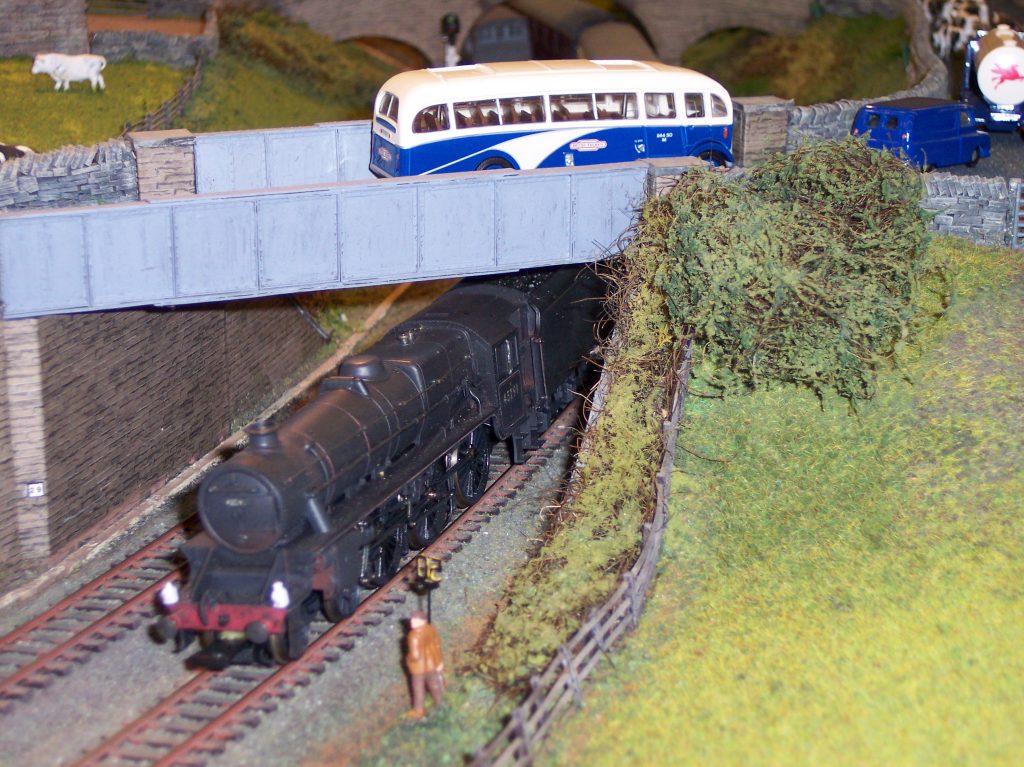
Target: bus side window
526	109
661	105
431	119
474	114
694	103
616	106
718	108
575	106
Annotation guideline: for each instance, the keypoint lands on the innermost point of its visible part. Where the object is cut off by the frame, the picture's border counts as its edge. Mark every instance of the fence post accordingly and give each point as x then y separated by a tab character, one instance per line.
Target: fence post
634	618
572	678
524	750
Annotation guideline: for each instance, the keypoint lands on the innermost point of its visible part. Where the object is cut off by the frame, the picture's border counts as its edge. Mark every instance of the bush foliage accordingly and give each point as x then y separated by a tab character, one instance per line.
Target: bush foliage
808	270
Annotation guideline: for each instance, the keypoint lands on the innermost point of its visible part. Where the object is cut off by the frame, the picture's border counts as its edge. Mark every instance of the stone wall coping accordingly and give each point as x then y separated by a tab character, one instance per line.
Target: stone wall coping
148	139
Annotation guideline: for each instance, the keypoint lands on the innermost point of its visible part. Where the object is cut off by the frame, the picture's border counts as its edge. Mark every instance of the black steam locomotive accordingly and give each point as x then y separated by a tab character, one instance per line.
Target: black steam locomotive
336	495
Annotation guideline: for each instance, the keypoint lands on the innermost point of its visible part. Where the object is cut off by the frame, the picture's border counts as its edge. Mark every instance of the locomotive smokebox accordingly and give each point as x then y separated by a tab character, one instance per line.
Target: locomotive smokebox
1000	66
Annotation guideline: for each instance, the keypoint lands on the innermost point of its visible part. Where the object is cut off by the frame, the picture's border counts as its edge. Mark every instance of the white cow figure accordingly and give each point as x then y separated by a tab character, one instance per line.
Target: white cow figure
65	69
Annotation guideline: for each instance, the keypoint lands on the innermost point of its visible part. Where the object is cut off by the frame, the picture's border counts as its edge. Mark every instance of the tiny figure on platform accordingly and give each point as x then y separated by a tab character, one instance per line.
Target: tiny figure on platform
424	663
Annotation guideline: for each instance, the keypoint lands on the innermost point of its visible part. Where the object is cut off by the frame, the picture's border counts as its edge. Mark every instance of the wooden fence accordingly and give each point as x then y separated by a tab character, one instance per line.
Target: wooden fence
165	114
561	682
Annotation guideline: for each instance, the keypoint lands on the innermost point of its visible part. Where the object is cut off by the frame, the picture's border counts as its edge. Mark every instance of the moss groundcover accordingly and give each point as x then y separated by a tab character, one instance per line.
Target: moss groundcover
838	588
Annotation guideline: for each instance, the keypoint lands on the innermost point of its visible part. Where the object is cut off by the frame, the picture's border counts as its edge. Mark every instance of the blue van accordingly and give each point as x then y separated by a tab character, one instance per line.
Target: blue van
928	133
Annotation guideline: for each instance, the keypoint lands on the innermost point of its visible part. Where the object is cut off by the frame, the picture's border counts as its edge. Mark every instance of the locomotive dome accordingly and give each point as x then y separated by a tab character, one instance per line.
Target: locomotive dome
367	367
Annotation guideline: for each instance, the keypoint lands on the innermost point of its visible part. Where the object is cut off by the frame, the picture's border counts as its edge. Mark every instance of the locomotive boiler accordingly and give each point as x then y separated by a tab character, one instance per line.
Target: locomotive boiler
336	495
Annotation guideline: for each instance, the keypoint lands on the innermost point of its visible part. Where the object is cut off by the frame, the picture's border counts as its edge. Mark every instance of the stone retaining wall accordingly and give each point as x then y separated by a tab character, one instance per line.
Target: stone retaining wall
179	51
978	209
71	175
28	27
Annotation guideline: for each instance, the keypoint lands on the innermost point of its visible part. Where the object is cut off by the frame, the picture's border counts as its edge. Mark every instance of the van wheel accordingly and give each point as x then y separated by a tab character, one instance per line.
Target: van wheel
494	163
975	156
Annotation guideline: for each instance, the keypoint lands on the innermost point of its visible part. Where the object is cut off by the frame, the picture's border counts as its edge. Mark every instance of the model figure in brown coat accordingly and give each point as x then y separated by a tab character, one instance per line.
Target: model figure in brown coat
424	662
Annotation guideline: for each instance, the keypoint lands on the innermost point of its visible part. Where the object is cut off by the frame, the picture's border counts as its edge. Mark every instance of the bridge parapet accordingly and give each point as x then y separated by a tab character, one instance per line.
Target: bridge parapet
216	247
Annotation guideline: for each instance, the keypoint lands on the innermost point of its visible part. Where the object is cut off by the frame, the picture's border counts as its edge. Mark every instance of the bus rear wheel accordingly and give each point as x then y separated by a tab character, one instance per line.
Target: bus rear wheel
494	163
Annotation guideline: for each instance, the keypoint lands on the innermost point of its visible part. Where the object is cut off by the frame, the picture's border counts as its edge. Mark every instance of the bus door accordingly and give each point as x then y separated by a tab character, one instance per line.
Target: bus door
662	131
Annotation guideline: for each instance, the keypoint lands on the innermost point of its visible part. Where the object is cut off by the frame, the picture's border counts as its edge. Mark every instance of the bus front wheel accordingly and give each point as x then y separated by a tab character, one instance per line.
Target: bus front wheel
494	163
712	158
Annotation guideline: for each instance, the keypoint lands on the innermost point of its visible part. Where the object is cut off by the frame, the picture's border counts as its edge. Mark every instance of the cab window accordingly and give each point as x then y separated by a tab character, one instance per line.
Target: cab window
718	107
507	357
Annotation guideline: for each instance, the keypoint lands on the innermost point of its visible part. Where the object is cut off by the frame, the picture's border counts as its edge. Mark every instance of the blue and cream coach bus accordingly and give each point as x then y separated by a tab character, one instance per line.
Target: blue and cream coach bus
546	114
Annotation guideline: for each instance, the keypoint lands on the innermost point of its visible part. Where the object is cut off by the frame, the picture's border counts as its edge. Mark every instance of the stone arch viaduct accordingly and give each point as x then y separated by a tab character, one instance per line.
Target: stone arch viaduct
671	24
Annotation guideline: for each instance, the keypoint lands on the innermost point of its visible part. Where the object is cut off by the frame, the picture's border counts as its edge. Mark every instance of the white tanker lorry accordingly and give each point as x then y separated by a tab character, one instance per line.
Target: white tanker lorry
993	82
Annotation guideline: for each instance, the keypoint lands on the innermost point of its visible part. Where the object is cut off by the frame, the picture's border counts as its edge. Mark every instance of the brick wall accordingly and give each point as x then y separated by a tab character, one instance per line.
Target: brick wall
12	564
71	175
28	27
130	397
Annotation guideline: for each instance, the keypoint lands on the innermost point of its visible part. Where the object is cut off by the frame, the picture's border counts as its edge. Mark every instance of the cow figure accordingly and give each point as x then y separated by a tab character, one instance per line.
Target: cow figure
65	69
13	152
956	22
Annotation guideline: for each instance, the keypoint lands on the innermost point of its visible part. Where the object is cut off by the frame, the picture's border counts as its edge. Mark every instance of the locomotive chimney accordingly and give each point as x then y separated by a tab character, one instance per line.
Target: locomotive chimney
263	435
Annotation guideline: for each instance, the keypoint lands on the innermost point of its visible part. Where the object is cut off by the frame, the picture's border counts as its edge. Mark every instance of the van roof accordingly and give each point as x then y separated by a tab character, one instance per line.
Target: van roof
912	104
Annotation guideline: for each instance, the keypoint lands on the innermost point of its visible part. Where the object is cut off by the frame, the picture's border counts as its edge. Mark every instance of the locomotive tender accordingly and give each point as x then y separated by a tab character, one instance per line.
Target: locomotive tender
337	494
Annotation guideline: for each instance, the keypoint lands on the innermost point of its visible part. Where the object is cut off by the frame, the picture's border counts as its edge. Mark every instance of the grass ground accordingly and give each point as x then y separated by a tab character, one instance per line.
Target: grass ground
32	113
833	58
258	80
837	588
239	93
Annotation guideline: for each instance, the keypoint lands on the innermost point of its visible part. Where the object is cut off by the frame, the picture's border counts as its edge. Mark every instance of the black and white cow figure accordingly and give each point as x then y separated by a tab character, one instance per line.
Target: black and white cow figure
13	152
955	22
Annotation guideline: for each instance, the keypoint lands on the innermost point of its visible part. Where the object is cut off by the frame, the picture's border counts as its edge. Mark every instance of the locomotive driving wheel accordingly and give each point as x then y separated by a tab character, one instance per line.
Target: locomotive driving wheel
435	517
382	560
472	467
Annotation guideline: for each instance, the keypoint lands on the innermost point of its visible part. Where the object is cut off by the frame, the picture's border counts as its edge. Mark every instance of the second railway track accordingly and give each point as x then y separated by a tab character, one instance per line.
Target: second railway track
197	719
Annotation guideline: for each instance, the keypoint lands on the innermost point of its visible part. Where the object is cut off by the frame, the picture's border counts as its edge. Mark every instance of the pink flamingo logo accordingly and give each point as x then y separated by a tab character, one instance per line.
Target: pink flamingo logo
1002	75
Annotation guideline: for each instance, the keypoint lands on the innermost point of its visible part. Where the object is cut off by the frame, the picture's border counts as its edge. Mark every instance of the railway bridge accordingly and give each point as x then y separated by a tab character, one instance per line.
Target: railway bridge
295	210
672	25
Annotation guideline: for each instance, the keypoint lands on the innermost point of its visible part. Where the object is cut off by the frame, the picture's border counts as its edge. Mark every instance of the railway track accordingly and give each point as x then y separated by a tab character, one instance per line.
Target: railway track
214	707
86	622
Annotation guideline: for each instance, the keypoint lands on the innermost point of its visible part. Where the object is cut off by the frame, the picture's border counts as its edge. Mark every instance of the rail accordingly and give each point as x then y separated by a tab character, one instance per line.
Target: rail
163	116
560	684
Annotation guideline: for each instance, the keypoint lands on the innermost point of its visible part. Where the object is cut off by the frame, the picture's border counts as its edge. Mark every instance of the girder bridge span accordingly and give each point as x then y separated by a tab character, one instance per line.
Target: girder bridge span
229	243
